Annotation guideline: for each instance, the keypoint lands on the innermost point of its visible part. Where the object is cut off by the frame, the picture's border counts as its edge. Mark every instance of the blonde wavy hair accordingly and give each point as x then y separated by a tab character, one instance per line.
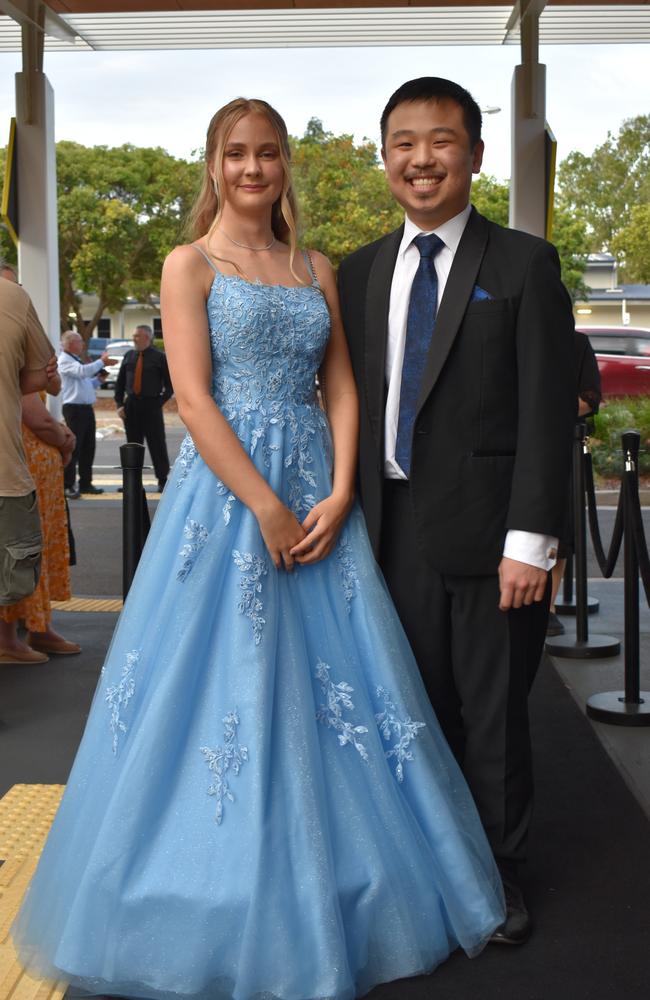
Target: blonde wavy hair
207	209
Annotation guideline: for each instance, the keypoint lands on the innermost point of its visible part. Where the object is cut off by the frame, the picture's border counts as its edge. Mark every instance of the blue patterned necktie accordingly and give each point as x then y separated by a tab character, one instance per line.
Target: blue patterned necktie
423	305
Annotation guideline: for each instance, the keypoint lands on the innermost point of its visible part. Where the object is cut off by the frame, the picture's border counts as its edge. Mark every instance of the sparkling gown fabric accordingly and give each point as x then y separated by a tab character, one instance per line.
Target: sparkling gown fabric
263	806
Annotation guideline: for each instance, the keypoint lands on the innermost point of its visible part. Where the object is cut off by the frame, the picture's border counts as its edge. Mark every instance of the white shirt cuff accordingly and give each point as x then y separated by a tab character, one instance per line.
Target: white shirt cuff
529	547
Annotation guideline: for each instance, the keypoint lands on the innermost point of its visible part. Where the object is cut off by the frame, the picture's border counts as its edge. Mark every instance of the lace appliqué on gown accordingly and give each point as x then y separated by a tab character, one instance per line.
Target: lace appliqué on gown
186	456
347	571
119	695
260	388
338	701
403	731
197	535
223	491
253	569
229	757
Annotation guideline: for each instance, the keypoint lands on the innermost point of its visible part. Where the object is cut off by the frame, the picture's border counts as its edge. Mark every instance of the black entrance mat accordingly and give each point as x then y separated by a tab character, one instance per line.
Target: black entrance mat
587	884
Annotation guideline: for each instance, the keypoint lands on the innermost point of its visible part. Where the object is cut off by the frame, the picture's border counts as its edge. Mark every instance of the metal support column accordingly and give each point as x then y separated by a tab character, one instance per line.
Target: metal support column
38	250
527	178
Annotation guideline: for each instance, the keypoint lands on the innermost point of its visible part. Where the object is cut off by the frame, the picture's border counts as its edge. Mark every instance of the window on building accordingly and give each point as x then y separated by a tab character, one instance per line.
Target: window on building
157	326
104	327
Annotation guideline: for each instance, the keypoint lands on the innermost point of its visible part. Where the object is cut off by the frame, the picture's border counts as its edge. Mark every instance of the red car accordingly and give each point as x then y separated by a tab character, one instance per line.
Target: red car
623	354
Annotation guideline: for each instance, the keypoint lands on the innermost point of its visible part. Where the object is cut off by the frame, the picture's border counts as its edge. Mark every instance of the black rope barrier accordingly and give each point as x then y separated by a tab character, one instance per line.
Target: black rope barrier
566	605
630	707
581	646
606	561
135	511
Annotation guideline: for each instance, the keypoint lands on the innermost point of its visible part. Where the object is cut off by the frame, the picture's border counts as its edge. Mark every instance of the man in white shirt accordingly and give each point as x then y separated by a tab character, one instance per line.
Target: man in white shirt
461	337
78	385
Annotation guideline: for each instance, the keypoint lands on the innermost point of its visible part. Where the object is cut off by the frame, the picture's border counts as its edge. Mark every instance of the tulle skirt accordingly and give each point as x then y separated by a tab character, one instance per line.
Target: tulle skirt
263	806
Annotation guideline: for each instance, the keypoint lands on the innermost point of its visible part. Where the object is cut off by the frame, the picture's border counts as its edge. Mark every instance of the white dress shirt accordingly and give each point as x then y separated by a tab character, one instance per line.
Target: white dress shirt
77	381
525	546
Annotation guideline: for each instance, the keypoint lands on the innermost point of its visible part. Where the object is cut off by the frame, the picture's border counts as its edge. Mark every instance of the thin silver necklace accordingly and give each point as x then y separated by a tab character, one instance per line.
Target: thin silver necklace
245	246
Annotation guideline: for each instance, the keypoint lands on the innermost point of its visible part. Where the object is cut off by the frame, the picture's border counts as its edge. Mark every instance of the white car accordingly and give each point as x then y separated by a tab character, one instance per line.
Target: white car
116	351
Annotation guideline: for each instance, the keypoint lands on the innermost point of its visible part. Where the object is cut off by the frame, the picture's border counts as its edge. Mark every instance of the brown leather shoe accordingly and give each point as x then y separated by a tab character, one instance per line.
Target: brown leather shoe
11	657
60	647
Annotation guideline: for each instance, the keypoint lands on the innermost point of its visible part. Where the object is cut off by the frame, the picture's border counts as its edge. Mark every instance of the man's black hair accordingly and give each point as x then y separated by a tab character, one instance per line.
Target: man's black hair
433	88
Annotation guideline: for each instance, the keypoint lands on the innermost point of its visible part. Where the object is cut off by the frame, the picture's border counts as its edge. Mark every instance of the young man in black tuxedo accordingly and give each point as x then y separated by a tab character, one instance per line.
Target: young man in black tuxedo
461	336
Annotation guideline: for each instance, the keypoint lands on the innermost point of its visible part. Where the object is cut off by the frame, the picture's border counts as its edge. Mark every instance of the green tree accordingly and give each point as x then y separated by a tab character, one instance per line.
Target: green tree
342	191
120	211
606	188
632	245
572	244
491	198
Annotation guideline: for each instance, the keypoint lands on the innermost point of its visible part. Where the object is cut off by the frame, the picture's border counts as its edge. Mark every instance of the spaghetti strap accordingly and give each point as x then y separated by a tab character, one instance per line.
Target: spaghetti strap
204	254
310	267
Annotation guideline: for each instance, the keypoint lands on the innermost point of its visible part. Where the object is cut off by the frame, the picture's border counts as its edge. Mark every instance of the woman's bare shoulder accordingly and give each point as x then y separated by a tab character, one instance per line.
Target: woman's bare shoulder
183	258
187	264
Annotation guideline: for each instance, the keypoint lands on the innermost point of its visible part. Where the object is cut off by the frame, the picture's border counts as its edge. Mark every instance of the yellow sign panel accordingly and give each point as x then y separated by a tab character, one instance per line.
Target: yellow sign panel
550	154
9	206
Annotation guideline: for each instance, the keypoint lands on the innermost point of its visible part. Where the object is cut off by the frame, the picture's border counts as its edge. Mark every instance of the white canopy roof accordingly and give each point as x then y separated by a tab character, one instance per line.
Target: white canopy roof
285	25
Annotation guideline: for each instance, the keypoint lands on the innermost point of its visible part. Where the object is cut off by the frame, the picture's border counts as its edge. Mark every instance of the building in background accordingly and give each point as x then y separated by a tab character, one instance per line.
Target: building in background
120	325
608	302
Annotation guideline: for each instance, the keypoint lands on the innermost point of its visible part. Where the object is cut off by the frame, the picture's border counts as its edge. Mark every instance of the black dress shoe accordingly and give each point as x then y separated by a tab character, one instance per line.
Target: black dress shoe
555	626
71	493
517	925
92	490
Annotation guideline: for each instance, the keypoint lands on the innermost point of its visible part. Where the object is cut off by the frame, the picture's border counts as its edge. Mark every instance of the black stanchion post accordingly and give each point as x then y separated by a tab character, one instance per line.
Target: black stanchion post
632	706
132	460
581	646
631	579
567	584
568	604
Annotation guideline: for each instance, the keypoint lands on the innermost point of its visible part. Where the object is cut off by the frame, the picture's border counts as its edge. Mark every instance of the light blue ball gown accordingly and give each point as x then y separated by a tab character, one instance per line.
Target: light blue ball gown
262	806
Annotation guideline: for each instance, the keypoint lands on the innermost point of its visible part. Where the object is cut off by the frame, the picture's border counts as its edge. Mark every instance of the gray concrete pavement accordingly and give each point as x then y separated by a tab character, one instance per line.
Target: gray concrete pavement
628	747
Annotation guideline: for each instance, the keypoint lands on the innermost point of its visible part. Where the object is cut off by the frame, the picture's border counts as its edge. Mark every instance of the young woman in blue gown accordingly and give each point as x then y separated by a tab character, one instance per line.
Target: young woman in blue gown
262	806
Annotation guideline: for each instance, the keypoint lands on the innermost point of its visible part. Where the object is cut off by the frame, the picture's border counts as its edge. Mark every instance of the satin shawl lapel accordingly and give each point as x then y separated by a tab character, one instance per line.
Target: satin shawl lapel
458	292
376	328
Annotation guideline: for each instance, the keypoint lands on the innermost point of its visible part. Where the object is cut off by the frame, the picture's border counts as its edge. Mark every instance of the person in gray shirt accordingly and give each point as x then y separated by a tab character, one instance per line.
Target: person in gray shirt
27	363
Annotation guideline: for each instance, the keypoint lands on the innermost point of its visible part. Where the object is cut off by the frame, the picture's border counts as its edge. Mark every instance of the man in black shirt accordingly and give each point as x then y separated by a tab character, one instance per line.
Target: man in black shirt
144	380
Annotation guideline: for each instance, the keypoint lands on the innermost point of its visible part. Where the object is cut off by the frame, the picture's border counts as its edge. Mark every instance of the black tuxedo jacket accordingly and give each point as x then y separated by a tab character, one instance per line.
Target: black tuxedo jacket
492	435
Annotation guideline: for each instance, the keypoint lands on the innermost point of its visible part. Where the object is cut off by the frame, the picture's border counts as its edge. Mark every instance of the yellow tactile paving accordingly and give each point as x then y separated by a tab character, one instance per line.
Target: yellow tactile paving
112	496
89	604
26	814
108	481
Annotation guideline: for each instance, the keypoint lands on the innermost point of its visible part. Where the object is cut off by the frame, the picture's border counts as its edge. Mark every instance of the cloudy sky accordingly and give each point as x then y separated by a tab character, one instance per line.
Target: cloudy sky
167	98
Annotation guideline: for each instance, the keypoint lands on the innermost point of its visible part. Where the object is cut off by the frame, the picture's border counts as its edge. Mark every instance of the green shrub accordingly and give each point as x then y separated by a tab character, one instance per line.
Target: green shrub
619	415
159	343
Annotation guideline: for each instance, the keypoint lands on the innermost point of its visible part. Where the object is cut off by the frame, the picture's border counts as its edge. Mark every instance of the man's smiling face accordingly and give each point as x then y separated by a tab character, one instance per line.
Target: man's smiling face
429	160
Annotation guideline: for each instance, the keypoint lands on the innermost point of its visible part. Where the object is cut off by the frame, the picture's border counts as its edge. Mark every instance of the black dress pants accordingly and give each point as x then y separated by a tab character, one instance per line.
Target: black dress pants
477	664
80	418
143	420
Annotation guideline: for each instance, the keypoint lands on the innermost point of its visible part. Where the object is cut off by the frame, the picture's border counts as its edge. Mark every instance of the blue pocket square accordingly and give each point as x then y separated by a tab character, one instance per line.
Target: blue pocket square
479	294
